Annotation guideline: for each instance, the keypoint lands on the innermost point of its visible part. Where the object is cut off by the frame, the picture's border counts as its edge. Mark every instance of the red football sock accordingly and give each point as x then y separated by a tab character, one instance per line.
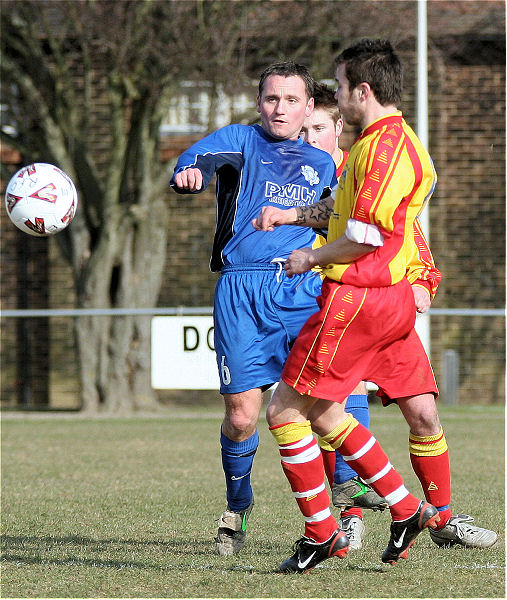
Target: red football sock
352	511
329	458
364	454
429	456
303	467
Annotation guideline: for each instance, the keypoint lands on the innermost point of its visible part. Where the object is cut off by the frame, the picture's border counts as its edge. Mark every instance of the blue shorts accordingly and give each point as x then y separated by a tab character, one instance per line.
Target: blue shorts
258	313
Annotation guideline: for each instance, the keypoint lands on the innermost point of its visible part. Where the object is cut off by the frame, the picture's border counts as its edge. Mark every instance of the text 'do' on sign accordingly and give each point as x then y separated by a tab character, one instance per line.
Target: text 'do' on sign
183	354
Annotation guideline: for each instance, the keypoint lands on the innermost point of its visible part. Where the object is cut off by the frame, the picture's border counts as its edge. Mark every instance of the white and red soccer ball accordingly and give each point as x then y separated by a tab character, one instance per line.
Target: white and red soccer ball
41	199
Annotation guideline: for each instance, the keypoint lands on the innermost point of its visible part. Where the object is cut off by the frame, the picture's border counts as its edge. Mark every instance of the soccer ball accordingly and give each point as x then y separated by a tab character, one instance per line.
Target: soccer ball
41	199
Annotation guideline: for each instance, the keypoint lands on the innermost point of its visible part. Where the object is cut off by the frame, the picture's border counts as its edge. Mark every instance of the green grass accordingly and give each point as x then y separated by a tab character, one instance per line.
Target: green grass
124	508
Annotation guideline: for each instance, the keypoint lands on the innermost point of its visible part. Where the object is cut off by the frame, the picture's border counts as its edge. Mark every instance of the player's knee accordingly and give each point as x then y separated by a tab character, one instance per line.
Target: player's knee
241	414
240	423
427	427
270	412
425	423
421	414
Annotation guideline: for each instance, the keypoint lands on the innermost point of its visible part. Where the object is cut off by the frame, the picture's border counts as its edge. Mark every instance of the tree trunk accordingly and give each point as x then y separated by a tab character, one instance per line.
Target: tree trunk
115	351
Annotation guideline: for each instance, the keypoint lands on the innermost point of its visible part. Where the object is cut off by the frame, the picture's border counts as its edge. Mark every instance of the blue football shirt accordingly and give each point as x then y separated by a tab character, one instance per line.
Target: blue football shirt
255	170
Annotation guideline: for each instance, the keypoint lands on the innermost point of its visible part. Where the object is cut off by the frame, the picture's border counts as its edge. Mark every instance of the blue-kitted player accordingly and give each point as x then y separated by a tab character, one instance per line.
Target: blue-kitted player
258	311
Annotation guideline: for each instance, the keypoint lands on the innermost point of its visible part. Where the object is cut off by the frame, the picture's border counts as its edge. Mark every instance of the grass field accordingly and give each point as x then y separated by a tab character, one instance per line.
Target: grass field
126	508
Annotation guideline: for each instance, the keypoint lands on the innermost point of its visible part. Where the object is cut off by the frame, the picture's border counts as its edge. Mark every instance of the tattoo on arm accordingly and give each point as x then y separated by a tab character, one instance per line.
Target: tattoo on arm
315	215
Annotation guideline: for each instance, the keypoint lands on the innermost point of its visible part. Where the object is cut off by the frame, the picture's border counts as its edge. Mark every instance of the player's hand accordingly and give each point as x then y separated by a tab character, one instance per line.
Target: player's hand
300	261
271	217
422	299
189	179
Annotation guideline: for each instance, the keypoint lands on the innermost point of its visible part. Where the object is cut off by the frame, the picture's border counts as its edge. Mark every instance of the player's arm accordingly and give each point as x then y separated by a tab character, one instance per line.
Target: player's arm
343	250
314	215
421	271
197	165
193	177
360	238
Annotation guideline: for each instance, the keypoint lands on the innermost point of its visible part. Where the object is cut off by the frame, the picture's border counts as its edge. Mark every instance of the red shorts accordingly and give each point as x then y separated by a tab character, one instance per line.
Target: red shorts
360	334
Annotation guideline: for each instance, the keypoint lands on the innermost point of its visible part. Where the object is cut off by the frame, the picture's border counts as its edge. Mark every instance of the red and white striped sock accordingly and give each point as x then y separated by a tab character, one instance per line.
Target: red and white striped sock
365	455
303	466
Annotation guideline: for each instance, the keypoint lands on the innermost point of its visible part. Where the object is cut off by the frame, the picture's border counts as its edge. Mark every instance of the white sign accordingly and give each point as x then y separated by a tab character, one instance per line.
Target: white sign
183	354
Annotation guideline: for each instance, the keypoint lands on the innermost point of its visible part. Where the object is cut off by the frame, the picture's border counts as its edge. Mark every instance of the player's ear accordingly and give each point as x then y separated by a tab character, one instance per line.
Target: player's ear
364	90
258	104
309	107
339	127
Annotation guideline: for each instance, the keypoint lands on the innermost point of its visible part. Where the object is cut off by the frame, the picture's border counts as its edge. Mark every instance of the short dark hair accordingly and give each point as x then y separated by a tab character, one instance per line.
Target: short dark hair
288	69
323	97
374	61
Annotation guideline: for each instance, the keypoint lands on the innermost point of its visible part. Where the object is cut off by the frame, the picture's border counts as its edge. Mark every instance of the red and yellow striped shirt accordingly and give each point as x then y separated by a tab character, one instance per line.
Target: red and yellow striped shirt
387	181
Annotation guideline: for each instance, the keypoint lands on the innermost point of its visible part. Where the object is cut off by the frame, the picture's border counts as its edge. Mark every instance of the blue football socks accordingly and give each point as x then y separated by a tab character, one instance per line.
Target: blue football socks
237	460
357	406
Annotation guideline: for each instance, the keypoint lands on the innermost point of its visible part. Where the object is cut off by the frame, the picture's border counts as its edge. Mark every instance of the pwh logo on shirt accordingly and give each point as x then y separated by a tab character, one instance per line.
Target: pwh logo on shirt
290	194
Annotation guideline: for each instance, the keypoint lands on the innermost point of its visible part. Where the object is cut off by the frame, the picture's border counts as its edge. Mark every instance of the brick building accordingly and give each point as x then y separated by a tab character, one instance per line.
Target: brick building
467	233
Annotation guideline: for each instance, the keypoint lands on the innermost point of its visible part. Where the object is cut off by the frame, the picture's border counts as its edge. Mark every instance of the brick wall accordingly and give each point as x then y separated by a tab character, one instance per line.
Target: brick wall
24	272
468	224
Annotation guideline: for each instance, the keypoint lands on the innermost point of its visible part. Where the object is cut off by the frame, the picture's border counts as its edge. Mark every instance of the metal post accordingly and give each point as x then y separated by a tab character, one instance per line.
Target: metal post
450	377
423	321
